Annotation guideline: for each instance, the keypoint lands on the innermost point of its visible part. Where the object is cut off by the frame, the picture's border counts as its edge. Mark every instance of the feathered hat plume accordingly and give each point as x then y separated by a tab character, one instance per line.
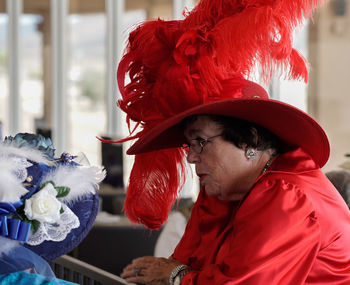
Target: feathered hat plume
176	65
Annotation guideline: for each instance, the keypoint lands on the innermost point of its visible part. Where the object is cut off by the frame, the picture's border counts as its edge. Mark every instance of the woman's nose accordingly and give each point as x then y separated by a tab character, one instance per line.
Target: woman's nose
192	157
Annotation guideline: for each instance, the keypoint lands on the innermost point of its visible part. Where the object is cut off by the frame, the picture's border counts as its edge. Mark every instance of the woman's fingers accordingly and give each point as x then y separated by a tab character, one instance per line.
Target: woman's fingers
149	270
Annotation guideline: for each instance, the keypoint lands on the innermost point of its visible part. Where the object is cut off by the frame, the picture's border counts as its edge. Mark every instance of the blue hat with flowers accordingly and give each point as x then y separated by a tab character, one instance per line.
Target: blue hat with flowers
47	204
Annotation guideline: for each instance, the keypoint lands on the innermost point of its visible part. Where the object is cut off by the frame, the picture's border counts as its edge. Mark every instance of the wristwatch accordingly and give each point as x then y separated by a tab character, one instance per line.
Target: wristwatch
177	280
178	273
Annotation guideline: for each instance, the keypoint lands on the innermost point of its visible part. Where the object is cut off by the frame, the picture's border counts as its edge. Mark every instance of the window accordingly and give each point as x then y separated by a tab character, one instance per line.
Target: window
3	75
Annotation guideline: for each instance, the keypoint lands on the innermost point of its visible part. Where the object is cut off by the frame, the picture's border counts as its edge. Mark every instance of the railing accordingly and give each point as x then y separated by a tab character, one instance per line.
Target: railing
74	270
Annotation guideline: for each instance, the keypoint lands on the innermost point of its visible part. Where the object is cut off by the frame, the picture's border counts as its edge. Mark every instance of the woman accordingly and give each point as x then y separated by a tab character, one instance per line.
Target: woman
265	212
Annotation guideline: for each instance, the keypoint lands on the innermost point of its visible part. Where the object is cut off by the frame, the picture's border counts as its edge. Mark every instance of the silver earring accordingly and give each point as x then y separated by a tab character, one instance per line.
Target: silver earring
251	153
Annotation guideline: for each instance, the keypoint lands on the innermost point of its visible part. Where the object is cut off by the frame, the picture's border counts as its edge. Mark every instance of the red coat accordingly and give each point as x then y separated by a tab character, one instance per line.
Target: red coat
292	228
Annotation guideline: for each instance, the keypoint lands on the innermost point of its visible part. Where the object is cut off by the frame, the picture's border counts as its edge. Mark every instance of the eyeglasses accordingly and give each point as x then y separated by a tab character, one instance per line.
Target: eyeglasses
197	144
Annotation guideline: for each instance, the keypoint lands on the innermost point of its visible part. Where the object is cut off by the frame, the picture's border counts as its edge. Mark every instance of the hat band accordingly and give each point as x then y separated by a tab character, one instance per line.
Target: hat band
14	229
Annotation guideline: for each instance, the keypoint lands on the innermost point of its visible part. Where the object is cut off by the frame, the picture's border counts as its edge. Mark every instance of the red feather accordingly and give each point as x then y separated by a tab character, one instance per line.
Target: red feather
154	186
248	32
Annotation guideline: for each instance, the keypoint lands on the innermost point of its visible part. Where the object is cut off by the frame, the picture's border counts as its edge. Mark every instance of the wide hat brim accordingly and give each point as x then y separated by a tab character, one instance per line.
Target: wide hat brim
287	122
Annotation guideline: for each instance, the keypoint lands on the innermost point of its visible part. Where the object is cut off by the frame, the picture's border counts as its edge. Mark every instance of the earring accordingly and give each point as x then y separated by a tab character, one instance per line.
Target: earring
251	153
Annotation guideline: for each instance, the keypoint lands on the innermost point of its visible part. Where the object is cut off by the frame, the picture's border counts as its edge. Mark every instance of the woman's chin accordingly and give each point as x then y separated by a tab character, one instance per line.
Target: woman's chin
211	192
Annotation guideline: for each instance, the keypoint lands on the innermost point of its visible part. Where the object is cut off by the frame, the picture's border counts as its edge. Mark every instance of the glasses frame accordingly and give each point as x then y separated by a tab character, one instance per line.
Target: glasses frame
201	142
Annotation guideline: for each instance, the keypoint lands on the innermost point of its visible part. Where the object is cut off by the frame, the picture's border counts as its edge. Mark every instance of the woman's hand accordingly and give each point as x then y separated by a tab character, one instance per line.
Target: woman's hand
150	270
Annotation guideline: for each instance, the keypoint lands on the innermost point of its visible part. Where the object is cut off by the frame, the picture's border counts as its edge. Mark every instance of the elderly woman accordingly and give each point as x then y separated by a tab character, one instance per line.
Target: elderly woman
265	211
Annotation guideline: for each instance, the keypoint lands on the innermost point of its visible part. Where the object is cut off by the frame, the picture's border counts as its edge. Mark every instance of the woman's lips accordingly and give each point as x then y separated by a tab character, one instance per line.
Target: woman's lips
201	177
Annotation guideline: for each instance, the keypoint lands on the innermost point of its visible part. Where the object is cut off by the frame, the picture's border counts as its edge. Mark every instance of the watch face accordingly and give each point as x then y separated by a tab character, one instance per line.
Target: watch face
177	280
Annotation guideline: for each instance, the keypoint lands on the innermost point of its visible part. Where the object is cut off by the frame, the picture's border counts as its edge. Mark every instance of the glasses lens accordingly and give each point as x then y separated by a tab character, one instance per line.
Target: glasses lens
195	146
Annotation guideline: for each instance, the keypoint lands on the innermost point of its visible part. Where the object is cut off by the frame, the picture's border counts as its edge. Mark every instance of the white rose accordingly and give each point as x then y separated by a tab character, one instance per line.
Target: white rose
43	206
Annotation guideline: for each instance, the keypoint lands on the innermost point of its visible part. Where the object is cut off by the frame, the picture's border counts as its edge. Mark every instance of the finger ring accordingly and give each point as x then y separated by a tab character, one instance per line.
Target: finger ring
137	271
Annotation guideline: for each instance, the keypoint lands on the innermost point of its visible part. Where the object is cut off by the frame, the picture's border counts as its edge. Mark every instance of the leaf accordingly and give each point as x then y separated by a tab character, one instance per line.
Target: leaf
62	191
19	214
35	225
61	210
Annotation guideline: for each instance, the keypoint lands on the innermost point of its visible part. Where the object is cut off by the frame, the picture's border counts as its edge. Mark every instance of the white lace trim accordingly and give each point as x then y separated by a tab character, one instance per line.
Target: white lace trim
57	231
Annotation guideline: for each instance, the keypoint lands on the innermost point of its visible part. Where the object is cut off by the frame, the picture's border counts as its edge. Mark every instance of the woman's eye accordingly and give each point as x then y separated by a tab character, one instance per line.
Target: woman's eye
199	139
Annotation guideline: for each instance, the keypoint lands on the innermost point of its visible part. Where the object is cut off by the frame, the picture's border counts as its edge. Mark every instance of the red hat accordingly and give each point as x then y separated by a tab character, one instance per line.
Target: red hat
252	104
201	65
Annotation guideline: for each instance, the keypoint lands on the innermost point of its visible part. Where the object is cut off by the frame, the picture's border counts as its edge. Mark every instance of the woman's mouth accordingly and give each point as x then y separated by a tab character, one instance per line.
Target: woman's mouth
201	177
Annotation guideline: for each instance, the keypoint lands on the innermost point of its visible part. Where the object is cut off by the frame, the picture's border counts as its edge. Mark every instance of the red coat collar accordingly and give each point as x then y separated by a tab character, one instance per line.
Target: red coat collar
295	161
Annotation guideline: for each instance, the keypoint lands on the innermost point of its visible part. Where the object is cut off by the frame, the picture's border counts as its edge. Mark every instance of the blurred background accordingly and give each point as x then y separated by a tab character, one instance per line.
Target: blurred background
58	61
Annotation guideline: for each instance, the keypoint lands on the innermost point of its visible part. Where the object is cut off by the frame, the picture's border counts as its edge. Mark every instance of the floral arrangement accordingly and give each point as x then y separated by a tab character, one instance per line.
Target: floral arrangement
36	189
43	206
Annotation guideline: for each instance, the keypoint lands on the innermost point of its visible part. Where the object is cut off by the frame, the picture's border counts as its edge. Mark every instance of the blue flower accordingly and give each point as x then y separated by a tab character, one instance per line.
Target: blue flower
32	140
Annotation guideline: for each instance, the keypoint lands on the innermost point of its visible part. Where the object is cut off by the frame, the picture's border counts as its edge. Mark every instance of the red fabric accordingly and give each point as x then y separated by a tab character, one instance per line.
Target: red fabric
292	228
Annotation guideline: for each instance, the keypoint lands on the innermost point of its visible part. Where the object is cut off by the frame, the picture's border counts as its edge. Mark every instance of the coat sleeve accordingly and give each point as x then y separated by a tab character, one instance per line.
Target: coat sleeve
274	240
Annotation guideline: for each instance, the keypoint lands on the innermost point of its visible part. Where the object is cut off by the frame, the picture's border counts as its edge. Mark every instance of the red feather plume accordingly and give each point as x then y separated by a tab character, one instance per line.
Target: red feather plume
153	186
246	33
